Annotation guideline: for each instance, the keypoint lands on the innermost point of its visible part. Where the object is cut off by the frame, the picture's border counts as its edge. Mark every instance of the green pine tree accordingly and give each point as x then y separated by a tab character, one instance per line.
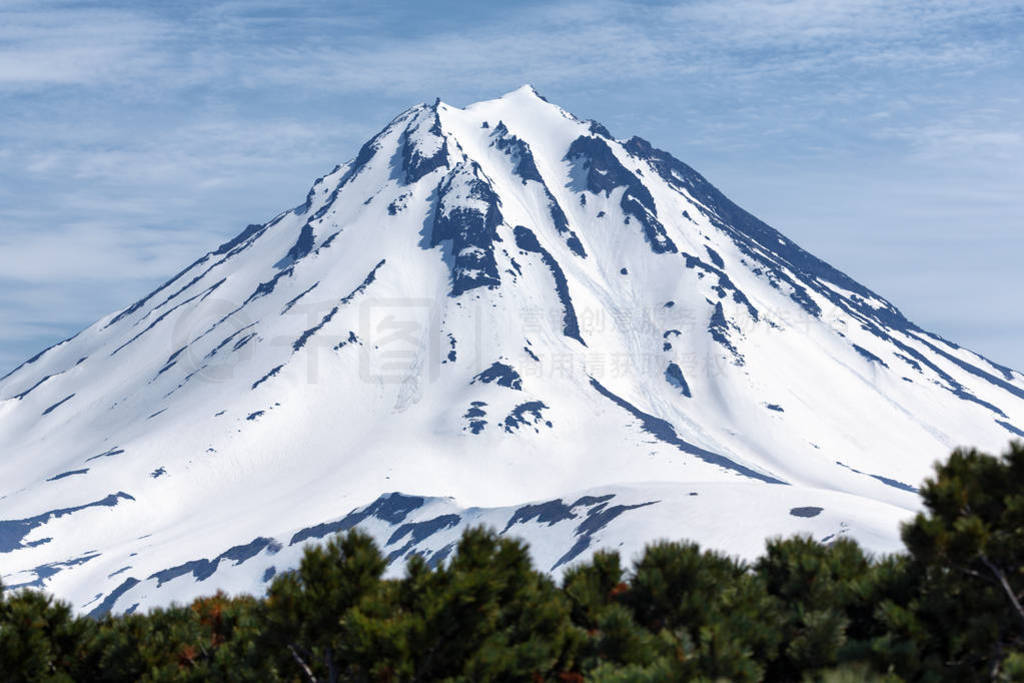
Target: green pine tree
968	547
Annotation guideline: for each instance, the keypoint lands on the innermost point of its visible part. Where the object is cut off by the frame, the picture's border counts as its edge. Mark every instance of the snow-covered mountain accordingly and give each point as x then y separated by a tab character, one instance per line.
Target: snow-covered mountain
499	314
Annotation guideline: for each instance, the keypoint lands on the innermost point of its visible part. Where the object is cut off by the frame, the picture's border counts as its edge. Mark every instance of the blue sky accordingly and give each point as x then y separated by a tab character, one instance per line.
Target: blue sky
886	138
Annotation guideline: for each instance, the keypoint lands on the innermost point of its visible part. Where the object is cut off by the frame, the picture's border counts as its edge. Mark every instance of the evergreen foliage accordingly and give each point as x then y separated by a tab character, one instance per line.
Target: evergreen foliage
949	609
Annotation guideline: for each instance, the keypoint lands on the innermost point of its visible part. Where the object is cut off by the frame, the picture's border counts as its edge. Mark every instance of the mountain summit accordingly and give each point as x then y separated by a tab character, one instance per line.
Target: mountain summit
500	315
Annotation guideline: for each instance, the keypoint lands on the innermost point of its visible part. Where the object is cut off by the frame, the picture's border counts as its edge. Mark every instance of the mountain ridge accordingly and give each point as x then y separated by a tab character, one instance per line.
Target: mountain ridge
500	304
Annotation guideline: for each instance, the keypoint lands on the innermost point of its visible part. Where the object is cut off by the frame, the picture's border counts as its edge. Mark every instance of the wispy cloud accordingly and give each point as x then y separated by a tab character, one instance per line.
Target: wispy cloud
68	45
82	252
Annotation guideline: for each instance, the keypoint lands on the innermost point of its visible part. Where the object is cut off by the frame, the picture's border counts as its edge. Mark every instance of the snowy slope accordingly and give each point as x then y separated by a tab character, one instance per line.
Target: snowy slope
489	309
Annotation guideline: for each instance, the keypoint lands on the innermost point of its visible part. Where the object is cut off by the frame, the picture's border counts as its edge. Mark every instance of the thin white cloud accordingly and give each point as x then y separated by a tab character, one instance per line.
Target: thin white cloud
89	251
71	45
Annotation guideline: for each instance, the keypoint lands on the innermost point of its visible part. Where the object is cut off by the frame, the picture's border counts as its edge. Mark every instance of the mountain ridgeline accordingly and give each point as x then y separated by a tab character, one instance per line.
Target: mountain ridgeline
500	316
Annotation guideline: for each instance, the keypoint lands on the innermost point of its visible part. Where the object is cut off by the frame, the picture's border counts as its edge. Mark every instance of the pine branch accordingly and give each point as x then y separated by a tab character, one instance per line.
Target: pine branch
976	574
1006	586
305	667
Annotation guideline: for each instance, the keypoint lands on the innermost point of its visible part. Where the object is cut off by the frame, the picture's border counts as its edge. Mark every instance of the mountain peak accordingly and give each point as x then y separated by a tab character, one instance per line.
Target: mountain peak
501	306
523	99
525	90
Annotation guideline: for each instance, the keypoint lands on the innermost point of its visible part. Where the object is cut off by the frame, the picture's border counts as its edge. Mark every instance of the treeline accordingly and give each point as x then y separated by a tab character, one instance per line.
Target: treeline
948	609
